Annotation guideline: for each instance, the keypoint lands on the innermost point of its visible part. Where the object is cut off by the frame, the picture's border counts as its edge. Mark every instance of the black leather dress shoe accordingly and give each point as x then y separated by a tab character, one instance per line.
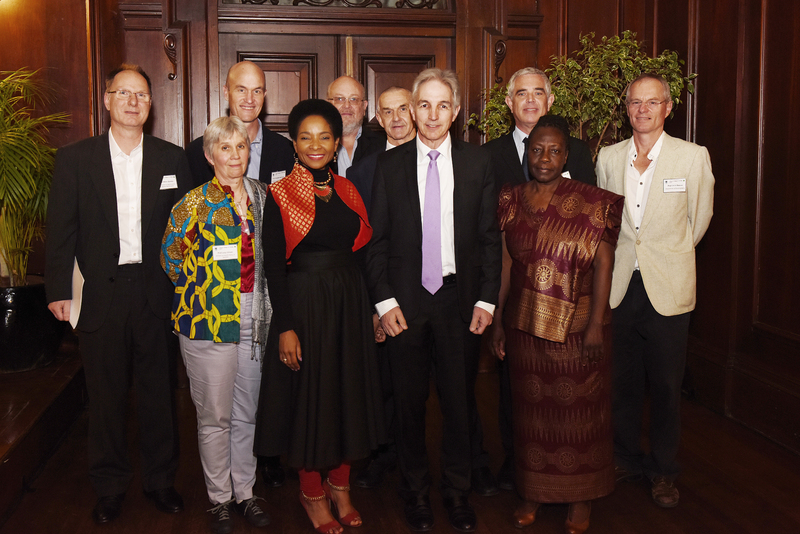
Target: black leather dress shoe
505	477
461	515
166	500
272	472
418	513
372	475
107	508
483	482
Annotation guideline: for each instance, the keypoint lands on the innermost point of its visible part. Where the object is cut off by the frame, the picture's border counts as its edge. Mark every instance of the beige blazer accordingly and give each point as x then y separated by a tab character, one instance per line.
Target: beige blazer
673	224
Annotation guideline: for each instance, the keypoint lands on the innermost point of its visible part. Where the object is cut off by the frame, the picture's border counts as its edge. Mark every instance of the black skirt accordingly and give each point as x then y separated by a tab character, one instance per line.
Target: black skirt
331	410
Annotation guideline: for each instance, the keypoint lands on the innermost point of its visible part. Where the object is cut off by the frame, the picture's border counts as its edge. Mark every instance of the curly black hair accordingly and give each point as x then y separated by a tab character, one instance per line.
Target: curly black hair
315	106
554	121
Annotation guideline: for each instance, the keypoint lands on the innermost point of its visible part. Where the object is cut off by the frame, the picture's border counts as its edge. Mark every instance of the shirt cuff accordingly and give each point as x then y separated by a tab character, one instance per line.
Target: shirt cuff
485	306
385	305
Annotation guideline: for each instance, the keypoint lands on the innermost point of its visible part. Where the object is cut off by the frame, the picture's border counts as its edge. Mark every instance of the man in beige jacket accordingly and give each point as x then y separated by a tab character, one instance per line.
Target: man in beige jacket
669	196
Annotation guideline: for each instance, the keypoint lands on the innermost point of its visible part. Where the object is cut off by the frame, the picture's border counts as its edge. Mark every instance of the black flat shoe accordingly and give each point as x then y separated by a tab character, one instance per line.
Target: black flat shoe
166	500
461	515
418	514
483	482
107	508
273	473
250	510
505	477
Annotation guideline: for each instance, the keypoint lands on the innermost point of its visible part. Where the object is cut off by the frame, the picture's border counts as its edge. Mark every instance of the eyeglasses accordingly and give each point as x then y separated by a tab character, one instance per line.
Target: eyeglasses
339	100
651	104
122	94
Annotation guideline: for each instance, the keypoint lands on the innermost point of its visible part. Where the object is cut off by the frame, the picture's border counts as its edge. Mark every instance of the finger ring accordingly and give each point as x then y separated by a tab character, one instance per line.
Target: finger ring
284	360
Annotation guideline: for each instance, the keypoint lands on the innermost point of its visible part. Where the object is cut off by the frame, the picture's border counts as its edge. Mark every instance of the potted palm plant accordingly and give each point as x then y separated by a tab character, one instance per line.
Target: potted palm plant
29	335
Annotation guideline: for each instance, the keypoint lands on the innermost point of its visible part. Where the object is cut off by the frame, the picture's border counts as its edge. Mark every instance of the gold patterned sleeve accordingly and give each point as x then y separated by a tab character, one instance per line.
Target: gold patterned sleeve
505	207
613	211
178	236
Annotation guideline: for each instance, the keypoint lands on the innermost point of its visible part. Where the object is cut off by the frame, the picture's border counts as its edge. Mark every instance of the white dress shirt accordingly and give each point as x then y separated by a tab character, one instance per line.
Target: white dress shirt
637	186
256	147
128	185
343	160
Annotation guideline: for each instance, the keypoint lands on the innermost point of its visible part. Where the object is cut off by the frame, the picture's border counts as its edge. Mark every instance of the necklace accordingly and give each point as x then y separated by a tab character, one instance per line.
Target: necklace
323	189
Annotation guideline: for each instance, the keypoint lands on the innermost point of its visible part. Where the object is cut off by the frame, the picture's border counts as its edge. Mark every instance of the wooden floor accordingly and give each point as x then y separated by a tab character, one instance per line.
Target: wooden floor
734	481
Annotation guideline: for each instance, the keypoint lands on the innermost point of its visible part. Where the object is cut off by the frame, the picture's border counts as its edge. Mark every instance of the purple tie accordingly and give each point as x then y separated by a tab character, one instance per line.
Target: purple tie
432	230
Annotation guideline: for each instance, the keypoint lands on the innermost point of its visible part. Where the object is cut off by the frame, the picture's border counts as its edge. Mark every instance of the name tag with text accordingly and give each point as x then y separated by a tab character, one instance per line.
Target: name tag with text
676	185
225	252
169	181
277	175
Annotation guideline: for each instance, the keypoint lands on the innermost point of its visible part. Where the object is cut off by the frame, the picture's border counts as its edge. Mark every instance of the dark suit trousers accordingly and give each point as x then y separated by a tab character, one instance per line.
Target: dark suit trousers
648	347
437	340
131	344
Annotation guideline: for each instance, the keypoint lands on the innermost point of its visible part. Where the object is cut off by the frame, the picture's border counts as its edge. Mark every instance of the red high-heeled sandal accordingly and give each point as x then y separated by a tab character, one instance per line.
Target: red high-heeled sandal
353	519
331	527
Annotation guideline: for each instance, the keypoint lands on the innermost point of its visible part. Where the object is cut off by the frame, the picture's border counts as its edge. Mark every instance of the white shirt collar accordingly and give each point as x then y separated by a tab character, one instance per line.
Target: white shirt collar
116	151
654	152
423	149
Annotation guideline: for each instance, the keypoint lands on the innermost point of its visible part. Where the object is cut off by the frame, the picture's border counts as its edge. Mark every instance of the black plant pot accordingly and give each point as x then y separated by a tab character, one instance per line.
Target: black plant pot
29	334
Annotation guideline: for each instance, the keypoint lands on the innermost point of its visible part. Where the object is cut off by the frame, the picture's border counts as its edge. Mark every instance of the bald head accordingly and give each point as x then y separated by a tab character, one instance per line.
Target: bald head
347	94
394	115
245	91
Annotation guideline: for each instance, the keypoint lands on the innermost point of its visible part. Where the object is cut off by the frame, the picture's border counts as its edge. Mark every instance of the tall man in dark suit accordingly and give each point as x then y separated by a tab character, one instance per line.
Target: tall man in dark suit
271	154
434	272
109	204
358	140
529	98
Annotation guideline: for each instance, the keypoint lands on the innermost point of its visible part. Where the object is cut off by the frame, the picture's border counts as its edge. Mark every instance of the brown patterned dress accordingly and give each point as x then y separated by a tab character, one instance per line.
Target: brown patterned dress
561	408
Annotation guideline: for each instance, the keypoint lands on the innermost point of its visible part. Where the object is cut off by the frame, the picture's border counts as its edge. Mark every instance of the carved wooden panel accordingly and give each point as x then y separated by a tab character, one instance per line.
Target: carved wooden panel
778	252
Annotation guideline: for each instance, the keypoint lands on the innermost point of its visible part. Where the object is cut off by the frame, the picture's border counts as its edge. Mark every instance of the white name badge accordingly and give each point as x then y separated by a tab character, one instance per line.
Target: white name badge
225	252
169	181
277	175
676	185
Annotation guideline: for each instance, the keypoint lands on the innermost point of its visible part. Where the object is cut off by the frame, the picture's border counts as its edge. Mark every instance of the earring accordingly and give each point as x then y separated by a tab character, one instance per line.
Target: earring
295	158
334	157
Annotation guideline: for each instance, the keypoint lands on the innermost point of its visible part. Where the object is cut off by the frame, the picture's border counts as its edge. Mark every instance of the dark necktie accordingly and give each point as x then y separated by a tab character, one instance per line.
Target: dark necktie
525	160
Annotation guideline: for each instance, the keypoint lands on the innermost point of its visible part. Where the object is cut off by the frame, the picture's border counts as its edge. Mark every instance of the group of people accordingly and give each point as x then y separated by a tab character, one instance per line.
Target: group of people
318	284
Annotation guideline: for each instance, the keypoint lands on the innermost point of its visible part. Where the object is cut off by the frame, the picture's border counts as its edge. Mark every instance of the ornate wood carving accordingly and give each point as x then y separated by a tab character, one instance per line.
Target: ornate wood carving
349	3
499	56
171	49
259	2
420	5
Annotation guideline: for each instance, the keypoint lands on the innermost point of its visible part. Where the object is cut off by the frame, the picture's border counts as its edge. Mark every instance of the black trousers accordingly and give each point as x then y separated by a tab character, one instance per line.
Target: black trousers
437	340
648	348
131	345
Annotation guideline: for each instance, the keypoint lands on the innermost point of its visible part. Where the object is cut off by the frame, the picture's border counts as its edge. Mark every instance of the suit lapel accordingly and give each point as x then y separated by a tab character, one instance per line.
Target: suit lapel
663	170
151	181
620	174
460	173
102	176
412	187
511	157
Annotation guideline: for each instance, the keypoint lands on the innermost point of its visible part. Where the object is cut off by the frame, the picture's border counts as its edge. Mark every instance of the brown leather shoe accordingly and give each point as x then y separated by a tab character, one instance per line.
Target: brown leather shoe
664	492
525	515
576	528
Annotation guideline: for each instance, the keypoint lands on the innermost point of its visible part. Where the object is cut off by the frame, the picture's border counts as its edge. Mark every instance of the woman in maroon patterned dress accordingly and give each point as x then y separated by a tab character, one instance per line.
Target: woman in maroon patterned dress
553	321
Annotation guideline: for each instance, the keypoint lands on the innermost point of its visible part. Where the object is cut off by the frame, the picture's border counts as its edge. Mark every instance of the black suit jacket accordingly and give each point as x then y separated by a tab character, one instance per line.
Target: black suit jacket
362	175
368	143
82	223
394	258
507	167
277	154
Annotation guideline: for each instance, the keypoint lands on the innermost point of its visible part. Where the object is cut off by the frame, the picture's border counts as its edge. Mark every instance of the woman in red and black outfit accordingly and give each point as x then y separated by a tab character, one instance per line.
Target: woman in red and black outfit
320	400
